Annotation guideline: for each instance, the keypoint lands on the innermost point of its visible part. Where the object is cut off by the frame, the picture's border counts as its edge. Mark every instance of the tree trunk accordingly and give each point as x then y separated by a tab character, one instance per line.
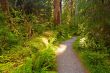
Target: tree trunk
16	3
57	11
71	7
76	7
4	5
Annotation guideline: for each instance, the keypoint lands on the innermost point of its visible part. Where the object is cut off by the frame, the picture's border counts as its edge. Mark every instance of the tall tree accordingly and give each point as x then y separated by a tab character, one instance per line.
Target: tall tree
57	11
71	6
4	5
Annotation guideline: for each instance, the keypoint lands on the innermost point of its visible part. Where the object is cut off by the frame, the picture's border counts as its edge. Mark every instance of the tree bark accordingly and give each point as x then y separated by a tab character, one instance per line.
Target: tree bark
4	5
57	11
71	7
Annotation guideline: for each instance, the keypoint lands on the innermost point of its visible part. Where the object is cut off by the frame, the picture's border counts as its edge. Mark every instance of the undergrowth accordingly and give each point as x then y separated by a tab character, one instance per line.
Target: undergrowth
97	61
27	46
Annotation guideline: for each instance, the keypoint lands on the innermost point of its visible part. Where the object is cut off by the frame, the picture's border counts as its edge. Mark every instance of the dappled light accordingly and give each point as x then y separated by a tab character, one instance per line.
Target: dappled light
33	33
45	41
83	41
61	49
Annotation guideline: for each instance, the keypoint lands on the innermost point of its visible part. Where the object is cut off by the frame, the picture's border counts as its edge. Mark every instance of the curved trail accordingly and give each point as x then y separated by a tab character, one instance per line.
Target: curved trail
67	60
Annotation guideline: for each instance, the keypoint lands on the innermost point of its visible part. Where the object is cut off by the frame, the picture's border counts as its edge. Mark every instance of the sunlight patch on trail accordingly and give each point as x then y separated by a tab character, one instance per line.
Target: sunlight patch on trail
61	49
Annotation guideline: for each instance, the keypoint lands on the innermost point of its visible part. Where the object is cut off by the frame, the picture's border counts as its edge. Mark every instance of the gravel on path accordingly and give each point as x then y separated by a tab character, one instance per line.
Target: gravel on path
67	60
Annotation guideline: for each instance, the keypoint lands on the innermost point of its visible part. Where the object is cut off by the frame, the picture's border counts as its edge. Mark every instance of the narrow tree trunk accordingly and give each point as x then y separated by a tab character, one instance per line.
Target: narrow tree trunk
76	13
76	7
71	6
16	3
57	11
4	5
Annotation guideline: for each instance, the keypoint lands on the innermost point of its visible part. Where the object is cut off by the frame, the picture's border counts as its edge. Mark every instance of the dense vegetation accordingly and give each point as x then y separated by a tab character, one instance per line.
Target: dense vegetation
94	29
30	31
29	38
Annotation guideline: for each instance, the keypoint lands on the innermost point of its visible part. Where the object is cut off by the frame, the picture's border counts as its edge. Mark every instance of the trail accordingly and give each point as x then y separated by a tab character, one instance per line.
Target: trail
67	60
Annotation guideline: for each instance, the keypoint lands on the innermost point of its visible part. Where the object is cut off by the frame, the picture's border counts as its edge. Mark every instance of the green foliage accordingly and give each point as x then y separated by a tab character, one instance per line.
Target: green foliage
22	49
93	19
30	57
27	37
64	32
96	62
26	68
45	62
93	26
95	57
1	18
44	9
41	8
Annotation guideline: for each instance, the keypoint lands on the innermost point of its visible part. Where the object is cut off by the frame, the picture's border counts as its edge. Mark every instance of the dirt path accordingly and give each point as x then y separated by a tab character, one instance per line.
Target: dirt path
67	60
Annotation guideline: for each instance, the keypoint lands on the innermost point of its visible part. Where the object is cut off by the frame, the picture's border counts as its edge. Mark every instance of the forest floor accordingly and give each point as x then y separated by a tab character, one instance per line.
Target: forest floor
67	60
